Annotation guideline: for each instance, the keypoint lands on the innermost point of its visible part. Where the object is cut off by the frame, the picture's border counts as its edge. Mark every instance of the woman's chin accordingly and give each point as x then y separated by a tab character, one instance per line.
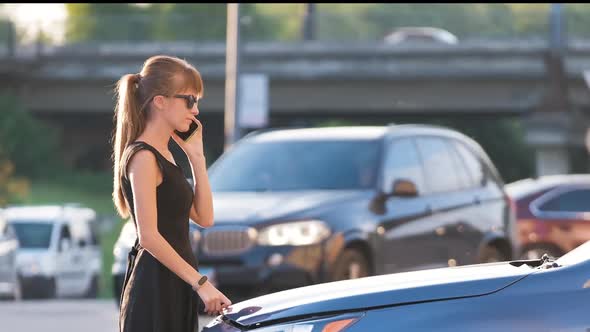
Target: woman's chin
183	128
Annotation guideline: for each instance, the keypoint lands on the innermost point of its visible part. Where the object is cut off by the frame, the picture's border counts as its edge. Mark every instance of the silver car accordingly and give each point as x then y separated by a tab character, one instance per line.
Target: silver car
9	281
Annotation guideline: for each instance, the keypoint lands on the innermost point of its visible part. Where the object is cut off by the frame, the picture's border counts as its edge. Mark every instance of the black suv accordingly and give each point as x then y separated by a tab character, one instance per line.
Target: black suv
295	207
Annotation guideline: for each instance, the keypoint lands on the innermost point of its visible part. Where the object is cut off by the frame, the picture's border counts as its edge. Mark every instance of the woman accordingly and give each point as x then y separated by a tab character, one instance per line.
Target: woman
162	282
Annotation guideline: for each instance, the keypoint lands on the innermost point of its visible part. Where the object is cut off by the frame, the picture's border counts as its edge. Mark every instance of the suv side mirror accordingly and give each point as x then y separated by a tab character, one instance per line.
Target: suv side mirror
65	245
81	243
404	188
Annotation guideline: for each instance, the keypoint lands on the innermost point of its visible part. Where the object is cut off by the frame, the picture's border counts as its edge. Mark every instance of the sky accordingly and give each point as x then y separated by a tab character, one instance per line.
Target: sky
29	17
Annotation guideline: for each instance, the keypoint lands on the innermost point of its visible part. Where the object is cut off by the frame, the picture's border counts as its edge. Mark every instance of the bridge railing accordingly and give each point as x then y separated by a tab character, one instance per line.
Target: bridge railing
342	23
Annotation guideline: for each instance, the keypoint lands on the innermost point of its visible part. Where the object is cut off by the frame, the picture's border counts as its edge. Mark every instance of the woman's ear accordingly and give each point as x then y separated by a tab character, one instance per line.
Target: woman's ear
159	102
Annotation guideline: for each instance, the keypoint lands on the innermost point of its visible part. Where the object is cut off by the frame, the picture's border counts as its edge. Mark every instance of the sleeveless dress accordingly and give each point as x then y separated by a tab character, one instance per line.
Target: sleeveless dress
154	298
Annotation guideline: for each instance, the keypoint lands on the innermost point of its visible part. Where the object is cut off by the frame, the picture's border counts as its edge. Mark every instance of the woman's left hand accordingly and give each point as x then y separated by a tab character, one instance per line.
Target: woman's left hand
194	145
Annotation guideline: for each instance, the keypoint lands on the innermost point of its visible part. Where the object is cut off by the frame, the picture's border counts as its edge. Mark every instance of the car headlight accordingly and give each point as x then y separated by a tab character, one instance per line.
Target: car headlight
30	269
295	233
35	268
338	323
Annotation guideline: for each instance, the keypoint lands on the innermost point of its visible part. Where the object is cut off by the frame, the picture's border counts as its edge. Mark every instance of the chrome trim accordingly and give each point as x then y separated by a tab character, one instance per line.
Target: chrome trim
559	190
228	240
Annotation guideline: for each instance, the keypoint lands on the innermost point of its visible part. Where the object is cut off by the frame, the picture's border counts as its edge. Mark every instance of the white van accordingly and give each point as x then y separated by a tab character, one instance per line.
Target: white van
59	253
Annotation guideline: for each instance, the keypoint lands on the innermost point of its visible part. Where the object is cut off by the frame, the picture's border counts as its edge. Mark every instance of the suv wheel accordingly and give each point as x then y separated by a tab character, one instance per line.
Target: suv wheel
92	291
491	254
351	264
18	292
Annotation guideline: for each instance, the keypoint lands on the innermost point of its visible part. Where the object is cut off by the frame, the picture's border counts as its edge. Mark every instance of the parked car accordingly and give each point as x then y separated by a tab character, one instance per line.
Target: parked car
9	282
421	35
553	213
123	245
527	296
59	253
296	207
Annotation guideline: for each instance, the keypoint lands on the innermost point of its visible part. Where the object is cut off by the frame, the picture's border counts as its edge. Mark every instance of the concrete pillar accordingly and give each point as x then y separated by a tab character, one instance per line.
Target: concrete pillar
551	134
552	160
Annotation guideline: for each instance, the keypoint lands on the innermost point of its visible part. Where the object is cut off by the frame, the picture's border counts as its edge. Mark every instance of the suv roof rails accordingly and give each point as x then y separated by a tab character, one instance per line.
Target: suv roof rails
266	130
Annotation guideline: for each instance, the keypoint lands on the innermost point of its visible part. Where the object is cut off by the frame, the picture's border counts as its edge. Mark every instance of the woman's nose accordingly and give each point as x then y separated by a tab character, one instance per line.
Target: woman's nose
195	110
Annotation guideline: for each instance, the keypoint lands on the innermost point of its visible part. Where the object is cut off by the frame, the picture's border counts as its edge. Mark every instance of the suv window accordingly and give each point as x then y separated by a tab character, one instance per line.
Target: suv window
438	164
473	166
33	234
65	233
402	162
571	201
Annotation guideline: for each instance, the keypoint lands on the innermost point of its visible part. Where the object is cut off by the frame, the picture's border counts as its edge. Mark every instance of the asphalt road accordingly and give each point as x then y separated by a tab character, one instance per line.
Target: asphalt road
63	316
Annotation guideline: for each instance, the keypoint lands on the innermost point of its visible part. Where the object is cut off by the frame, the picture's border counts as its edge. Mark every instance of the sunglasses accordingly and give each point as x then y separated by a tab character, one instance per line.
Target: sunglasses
190	100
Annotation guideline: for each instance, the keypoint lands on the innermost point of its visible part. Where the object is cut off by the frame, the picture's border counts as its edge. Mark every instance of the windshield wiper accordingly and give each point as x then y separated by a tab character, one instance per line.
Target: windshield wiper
548	262
545	262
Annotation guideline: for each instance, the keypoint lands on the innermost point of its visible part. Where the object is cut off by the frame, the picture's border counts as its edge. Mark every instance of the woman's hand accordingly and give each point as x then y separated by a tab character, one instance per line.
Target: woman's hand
194	145
214	300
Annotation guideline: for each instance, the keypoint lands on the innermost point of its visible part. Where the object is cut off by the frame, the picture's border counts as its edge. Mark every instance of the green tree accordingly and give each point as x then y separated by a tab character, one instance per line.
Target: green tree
12	189
166	22
194	22
106	22
30	145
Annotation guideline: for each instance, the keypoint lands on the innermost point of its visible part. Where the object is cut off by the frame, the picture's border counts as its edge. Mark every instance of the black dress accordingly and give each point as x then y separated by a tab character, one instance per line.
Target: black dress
154	298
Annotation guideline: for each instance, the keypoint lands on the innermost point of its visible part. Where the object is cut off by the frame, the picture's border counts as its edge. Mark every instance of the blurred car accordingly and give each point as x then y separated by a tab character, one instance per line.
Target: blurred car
121	249
59	253
421	35
527	296
297	207
553	213
123	245
9	282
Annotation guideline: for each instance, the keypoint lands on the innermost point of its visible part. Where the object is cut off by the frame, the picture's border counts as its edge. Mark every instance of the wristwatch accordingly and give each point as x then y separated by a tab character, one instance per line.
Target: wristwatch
200	282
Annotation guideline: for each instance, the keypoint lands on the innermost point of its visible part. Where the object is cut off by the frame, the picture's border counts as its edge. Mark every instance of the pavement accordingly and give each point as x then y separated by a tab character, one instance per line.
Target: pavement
64	316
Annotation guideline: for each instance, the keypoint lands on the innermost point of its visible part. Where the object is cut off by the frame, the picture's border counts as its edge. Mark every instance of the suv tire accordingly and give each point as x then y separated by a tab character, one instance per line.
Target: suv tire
351	264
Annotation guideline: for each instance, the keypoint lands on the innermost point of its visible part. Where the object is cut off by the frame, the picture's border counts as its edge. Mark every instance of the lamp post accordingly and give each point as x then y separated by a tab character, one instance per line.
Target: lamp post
309	21
232	74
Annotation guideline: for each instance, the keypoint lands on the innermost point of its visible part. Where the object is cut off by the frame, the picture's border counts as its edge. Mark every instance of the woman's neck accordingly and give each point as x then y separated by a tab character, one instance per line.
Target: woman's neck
157	134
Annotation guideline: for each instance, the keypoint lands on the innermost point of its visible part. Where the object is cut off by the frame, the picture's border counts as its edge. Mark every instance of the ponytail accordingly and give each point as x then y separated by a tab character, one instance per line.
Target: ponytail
130	122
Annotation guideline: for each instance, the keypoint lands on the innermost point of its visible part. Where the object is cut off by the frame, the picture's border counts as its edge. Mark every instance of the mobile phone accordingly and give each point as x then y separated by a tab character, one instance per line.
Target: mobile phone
186	135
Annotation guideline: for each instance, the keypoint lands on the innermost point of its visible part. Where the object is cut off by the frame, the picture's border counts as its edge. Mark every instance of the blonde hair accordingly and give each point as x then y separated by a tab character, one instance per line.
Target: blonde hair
160	75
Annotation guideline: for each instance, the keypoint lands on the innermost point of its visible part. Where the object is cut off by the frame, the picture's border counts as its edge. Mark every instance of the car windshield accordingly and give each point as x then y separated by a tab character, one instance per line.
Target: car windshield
297	165
33	235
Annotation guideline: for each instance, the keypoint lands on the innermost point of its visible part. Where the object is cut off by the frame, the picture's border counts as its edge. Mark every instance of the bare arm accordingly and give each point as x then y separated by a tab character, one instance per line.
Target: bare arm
202	207
144	175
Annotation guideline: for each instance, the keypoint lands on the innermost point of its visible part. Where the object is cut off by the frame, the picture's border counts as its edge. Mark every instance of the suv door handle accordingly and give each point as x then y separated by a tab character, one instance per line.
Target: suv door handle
429	210
476	200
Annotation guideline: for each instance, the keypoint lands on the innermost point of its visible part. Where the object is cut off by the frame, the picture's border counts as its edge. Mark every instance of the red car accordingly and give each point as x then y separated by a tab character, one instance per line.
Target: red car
553	213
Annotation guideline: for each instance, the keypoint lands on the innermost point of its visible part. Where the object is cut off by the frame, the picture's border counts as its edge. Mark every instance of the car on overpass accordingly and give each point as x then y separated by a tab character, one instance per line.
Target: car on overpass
526	296
421	35
296	207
